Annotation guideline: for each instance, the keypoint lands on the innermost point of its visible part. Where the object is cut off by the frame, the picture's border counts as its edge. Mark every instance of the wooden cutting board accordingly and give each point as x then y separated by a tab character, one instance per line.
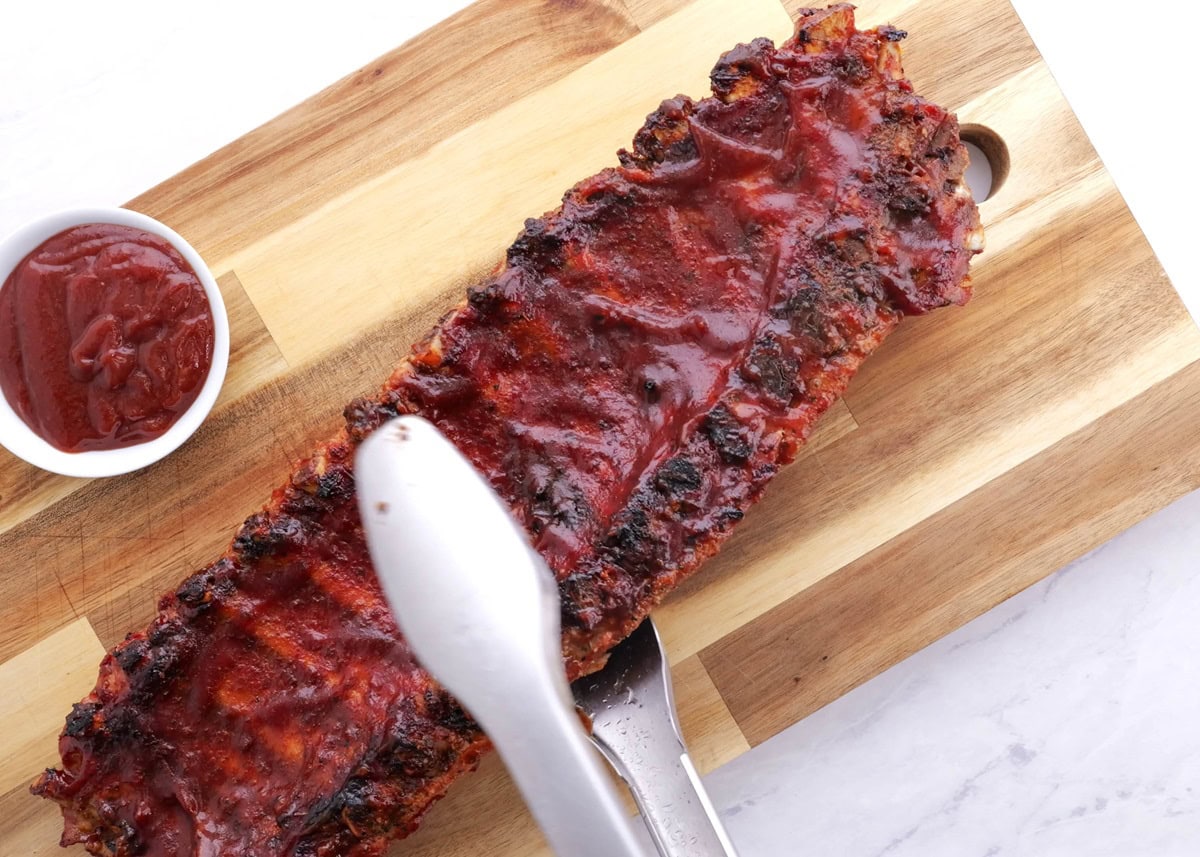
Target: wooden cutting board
981	449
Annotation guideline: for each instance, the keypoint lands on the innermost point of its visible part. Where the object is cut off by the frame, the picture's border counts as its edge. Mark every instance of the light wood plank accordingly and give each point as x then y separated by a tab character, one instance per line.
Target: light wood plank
393	247
645	13
254	358
712	735
39	687
491	53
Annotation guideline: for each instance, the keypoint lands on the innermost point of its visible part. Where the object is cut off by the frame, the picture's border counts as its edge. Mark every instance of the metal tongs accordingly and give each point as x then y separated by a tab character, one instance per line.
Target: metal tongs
480	610
634	724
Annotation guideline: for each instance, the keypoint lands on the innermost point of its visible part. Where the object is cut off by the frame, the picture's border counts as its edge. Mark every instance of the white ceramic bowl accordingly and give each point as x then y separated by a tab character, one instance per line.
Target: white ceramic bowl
22	441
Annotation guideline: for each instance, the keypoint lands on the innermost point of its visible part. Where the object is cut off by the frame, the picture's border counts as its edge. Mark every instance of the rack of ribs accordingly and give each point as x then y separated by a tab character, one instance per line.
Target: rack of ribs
649	356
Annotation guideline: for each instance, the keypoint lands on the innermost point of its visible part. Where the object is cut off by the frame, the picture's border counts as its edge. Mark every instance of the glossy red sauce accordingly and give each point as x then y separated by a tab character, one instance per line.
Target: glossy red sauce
106	337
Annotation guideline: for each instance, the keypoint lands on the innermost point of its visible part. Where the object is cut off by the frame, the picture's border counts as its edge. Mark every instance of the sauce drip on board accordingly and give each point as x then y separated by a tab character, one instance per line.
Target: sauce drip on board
106	337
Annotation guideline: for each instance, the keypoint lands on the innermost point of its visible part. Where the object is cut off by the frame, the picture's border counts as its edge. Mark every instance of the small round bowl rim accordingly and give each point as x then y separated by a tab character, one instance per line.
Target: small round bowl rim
22	441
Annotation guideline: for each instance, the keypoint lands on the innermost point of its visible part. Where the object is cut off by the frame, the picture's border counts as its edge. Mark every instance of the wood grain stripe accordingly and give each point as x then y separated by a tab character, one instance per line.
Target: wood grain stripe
25	490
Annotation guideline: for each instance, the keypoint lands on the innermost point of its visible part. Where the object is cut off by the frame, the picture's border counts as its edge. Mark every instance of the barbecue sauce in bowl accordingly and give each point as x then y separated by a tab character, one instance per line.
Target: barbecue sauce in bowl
106	337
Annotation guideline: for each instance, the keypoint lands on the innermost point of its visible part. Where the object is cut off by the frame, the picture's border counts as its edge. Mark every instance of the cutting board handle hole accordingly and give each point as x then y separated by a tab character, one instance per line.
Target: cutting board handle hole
989	160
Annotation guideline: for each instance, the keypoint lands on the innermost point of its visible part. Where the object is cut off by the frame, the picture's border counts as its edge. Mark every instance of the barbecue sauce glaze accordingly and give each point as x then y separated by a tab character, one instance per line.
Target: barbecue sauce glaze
106	337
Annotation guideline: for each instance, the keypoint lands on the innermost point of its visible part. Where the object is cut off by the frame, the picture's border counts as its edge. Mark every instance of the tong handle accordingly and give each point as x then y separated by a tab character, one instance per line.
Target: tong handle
679	816
635	725
561	778
480	611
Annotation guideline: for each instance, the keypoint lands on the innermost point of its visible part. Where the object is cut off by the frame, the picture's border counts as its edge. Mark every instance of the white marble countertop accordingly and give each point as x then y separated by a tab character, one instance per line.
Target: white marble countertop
1063	722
